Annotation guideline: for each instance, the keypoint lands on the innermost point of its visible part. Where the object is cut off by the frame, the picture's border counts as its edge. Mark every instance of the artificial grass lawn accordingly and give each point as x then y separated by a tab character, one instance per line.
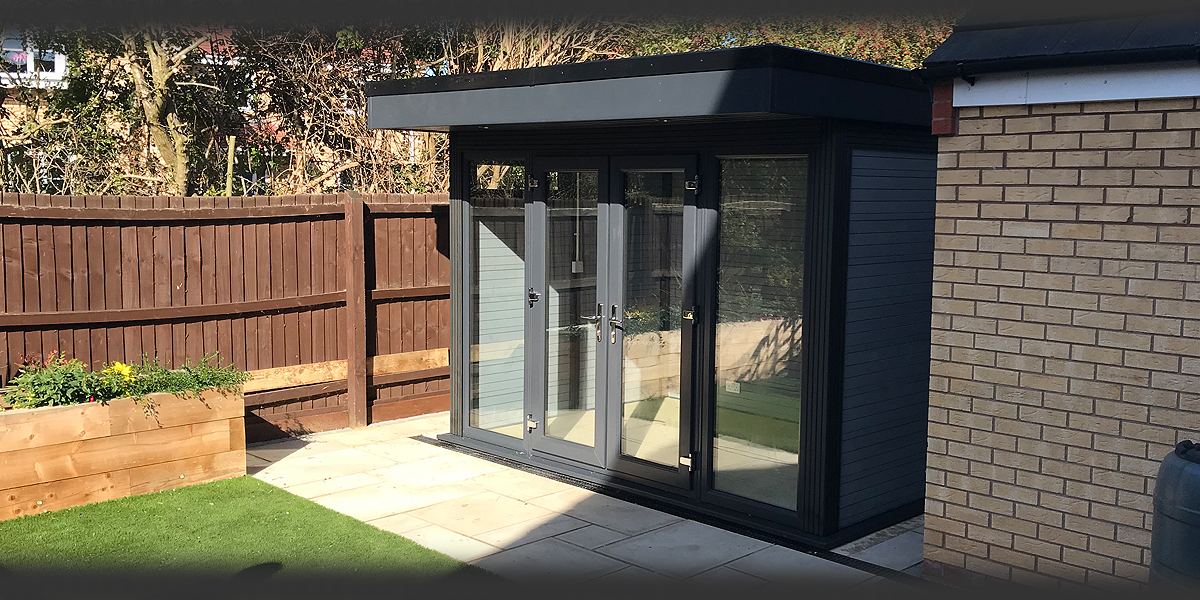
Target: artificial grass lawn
221	528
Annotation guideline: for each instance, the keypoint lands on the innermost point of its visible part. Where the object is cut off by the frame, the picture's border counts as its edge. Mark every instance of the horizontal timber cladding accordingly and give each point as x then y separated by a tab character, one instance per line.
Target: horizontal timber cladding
889	275
258	279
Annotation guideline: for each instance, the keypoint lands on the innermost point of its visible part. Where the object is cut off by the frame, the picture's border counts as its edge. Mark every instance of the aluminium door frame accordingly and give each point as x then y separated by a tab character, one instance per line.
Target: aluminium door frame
536	315
681	479
460	189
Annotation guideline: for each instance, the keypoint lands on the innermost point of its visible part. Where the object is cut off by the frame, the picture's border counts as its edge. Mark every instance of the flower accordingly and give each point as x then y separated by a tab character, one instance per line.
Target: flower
122	369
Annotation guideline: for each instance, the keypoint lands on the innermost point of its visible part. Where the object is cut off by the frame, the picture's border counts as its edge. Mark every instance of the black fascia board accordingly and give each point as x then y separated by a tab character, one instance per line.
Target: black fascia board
767	55
947	70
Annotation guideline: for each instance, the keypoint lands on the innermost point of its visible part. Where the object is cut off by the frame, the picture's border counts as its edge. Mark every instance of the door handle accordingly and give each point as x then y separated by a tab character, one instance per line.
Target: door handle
614	324
596	318
599	314
534	296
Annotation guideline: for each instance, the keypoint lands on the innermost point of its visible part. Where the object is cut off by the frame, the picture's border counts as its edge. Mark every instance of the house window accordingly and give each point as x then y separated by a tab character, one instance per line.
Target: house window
24	66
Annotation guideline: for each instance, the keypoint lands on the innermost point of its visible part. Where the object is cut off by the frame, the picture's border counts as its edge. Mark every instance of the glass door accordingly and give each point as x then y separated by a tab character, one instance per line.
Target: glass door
564	326
650	309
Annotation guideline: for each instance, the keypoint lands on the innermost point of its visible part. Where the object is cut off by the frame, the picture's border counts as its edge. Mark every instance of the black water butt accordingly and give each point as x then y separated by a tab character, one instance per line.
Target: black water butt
1175	539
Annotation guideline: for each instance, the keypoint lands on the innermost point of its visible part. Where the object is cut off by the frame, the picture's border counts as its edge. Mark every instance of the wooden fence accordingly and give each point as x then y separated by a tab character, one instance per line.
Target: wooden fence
339	304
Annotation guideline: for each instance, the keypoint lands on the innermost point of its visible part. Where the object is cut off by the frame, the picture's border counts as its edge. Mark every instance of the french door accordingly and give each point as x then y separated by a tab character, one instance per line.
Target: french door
611	311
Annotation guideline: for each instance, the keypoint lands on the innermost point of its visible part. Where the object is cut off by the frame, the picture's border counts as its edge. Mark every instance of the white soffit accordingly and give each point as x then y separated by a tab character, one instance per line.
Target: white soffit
1119	82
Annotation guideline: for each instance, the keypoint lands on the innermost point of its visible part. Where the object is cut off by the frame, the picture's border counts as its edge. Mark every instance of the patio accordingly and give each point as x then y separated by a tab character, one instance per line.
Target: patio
526	527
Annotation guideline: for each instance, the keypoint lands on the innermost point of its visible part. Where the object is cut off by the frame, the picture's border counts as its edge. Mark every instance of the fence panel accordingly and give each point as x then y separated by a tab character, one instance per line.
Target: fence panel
261	280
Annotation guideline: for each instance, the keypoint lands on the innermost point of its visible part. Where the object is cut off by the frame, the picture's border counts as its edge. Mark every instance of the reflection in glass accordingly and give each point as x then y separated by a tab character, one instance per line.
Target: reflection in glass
497	311
571	200
653	301
759	300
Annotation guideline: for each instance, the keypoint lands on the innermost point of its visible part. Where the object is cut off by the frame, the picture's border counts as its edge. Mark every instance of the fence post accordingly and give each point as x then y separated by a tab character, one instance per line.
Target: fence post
356	310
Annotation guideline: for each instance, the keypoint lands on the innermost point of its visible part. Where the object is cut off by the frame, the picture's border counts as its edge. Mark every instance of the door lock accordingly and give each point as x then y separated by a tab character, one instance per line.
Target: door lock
693	186
533	297
613	325
686	461
690	314
530	424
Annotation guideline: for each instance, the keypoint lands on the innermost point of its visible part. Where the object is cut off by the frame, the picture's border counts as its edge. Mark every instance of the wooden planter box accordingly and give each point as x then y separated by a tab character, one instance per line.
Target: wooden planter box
56	457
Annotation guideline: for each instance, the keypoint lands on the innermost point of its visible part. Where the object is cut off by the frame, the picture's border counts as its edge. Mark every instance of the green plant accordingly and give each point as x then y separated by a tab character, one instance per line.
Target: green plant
59	381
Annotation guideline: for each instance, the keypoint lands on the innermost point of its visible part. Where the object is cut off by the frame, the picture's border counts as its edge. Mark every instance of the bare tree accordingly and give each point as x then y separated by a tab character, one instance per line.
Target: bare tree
154	59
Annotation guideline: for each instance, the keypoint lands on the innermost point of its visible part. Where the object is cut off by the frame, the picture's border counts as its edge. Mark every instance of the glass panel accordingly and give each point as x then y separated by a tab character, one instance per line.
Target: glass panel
759	299
497	310
44	62
653	301
571	201
13	57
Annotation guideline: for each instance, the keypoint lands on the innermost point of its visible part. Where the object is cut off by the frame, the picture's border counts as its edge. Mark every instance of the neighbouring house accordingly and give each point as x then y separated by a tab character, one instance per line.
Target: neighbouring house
1066	308
636	244
25	66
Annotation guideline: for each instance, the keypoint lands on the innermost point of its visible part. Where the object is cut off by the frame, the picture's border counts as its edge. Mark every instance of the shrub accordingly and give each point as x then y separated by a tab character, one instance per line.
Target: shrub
58	381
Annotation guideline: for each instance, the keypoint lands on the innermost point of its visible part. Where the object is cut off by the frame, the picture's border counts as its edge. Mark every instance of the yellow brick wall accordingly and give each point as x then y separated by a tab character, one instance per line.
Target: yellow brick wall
1066	335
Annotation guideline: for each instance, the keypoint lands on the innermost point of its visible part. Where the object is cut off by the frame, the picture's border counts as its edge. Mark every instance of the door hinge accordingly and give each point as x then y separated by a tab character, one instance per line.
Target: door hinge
686	461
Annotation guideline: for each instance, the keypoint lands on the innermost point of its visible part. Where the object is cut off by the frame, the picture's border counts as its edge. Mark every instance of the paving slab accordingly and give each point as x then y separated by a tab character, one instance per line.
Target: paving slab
530	528
449	468
592	537
683	549
520	485
531	531
780	565
452	544
480	513
381	500
333	485
898	553
399	523
403	450
724	576
293	448
548	559
606	511
633	575
318	466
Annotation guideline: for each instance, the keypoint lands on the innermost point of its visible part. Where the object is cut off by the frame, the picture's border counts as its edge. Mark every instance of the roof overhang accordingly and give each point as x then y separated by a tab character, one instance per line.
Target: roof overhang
979	49
759	81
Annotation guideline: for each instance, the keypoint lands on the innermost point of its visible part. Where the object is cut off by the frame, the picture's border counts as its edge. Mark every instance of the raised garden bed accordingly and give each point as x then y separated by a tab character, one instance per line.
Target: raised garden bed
62	456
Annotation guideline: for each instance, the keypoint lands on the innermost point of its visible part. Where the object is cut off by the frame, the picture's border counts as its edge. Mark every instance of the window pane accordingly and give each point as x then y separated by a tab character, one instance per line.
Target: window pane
572	199
653	300
497	304
759	300
12	57
44	62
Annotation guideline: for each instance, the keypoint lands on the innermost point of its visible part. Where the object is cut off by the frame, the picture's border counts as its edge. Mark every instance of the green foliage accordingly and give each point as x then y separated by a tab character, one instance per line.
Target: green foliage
59	381
897	40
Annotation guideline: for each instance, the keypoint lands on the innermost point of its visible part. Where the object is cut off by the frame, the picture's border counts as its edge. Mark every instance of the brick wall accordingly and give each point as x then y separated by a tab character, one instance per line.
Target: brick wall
1066	335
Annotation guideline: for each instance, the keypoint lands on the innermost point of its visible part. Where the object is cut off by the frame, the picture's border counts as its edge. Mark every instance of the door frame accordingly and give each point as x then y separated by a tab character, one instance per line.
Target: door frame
536	315
681	478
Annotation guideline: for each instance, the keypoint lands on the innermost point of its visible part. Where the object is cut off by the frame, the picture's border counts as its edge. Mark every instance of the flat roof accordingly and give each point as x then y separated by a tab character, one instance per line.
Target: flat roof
979	46
769	80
